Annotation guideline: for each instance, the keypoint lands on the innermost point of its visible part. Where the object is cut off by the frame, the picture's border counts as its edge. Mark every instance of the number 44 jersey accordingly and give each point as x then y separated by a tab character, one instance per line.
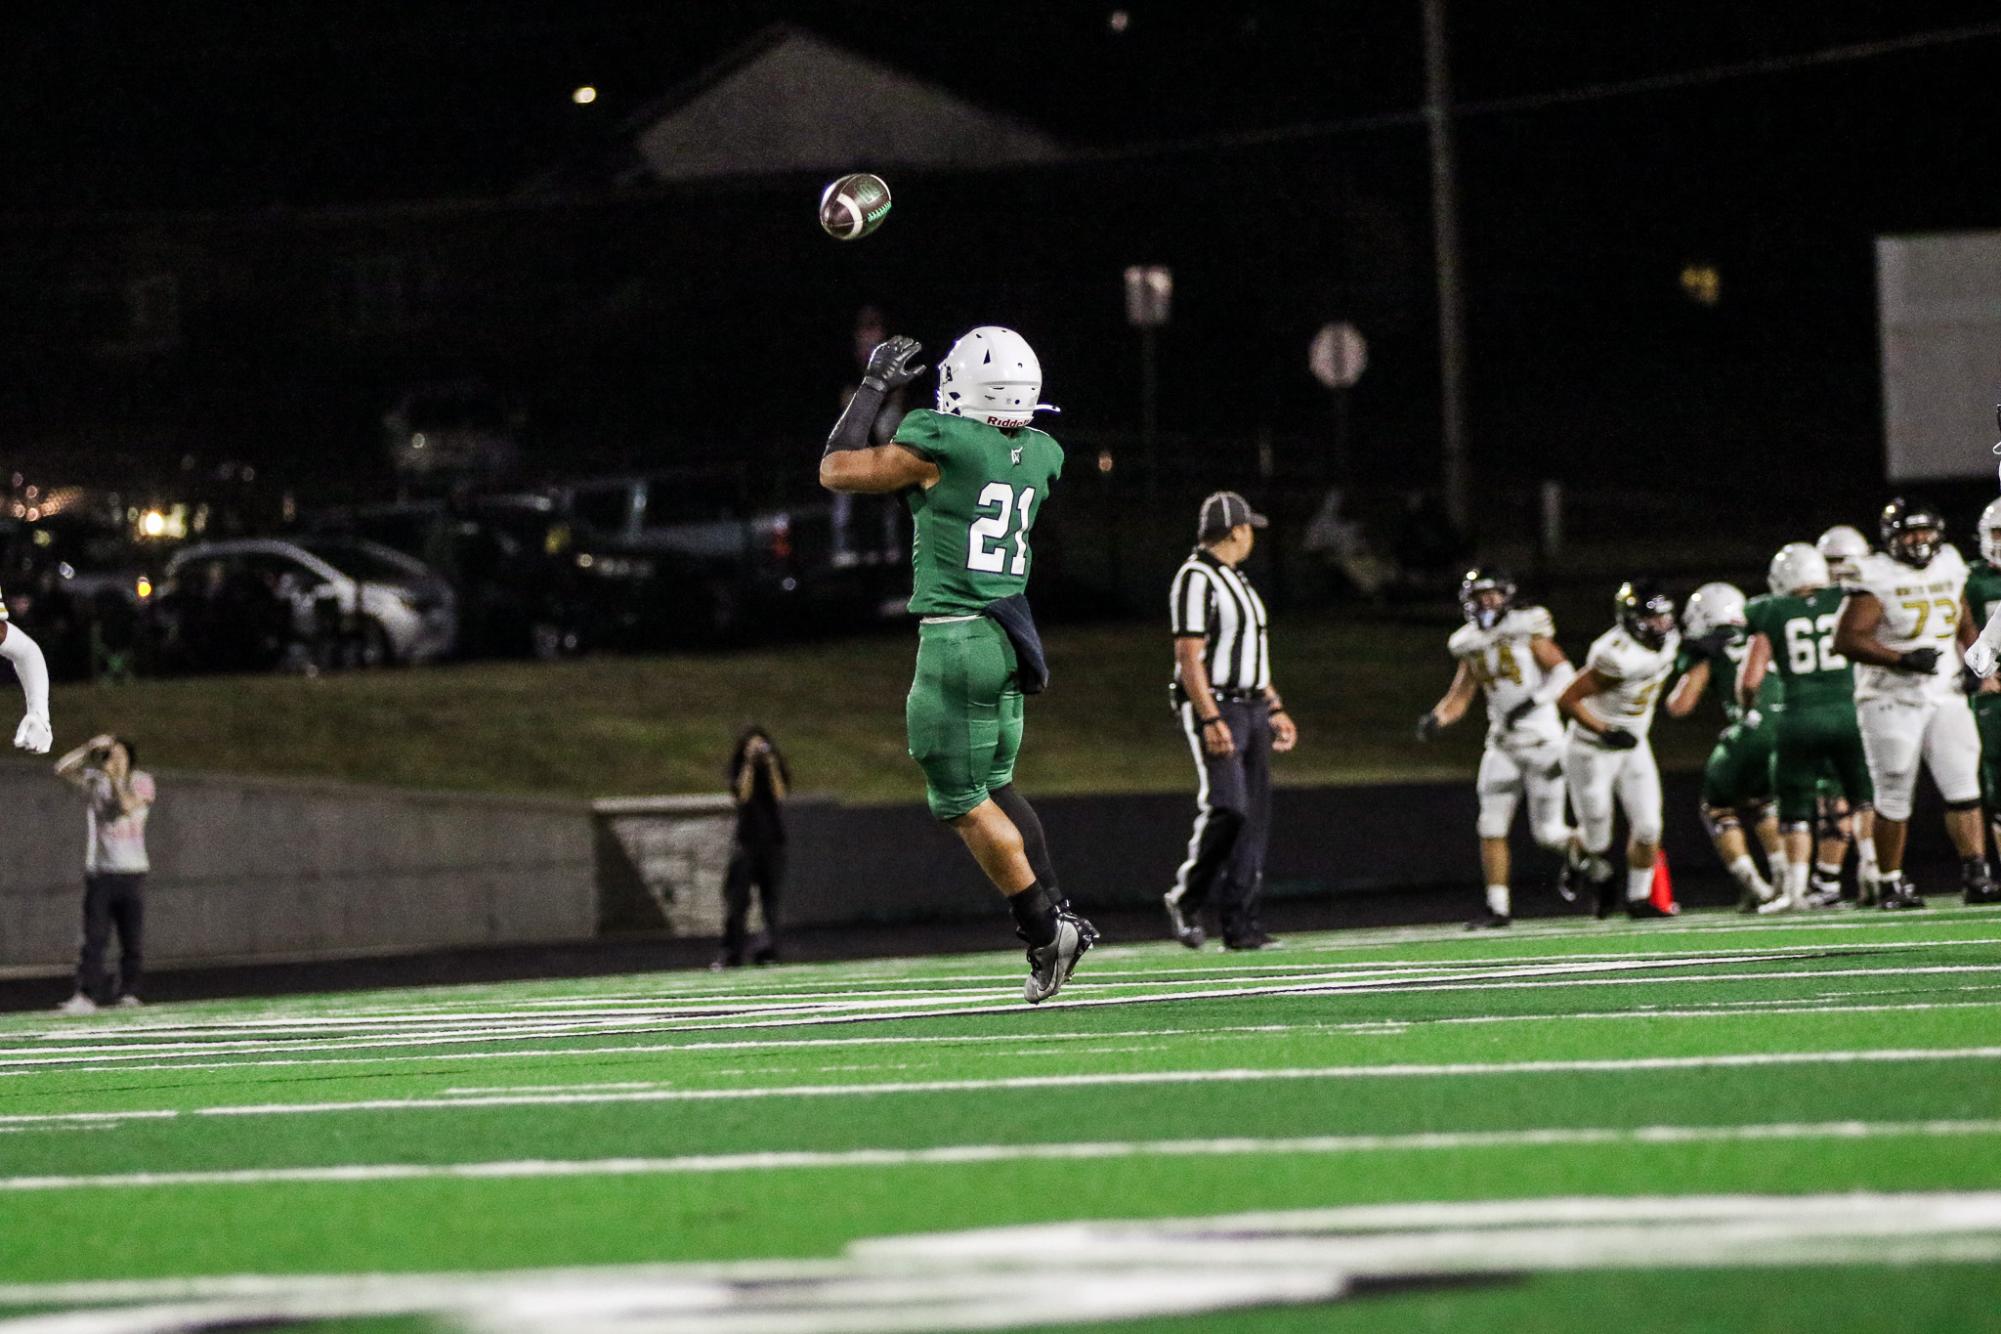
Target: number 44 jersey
971	542
1502	661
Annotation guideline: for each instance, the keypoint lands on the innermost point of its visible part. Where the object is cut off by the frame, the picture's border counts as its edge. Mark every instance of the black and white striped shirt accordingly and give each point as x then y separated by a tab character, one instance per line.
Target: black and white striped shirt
1216	602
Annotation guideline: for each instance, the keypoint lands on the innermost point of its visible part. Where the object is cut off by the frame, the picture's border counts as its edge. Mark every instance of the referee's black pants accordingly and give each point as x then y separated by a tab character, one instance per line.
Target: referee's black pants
112	901
1225	866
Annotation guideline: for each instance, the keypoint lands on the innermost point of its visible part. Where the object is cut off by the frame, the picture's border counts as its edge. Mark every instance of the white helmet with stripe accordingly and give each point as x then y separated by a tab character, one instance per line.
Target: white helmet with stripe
1710	608
1798	567
991	375
1844	548
1990	525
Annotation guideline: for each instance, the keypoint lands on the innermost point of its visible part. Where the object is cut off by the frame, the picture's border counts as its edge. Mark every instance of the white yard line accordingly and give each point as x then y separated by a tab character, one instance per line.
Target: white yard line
972	1154
1217	969
1007	1083
1652	975
1222	1033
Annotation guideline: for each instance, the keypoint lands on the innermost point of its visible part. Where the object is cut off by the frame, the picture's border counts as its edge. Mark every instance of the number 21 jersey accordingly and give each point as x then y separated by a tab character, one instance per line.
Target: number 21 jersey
972	527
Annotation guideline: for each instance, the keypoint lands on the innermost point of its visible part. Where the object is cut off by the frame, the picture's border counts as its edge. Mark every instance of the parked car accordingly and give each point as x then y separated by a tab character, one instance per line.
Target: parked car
703	554
519	591
256	603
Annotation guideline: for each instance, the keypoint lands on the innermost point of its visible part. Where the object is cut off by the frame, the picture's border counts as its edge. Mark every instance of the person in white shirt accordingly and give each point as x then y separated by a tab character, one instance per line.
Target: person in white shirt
118	796
1901	625
1607	756
1508	653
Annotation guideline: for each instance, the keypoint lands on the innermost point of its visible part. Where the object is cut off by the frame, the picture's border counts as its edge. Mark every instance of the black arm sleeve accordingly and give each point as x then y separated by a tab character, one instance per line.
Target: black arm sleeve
856	428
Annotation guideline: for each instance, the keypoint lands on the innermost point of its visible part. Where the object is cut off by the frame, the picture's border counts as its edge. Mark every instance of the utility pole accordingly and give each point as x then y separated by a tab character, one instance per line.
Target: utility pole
1445	244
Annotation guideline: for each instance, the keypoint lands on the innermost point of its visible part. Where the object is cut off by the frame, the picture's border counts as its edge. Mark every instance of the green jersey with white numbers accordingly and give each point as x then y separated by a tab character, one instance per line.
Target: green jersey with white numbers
1801	631
971	542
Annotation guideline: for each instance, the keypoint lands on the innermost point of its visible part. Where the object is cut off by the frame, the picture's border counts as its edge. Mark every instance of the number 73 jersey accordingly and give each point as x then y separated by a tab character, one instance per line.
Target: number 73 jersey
972	527
1920	610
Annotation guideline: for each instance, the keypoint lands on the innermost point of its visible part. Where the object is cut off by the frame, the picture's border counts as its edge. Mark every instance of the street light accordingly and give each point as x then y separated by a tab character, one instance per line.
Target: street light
1149	303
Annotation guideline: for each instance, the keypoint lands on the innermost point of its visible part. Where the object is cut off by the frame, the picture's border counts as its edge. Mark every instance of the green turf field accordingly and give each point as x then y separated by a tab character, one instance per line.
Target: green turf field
1717	1123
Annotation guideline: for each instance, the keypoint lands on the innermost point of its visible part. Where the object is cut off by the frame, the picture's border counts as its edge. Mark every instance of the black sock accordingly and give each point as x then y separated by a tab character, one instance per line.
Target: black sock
1034	843
1034	915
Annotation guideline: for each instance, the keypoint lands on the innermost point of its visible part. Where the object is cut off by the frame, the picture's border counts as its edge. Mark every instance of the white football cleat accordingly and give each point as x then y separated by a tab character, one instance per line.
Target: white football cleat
78	1004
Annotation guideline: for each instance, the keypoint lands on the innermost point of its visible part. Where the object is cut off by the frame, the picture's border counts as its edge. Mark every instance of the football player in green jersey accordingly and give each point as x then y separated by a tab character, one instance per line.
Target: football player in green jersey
1792	636
975	474
1737	780
1983	601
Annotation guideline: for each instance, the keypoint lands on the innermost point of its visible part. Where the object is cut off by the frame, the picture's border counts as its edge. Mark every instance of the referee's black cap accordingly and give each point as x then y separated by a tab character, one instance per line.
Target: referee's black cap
1223	511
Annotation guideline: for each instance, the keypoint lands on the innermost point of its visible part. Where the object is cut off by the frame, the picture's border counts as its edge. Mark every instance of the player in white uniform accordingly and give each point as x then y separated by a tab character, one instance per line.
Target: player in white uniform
1607	756
1901	626
1510	654
25	656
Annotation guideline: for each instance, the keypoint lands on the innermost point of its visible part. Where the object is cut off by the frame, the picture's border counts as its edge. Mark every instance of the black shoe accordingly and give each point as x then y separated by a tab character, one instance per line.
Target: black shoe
1188	933
1977	885
1490	921
1611	897
1570	878
1050	965
722	961
764	954
1897	895
1640	909
1248	942
1065	908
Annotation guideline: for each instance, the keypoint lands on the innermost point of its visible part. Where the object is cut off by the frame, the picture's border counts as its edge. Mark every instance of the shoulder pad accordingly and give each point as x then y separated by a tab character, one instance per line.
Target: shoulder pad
1536	622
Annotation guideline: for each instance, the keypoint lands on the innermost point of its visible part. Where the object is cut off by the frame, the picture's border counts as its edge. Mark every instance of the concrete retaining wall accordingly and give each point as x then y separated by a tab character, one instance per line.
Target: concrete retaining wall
247	868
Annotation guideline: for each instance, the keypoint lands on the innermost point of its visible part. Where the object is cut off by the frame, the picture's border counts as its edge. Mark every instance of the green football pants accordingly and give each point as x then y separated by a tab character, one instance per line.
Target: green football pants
964	713
1809	744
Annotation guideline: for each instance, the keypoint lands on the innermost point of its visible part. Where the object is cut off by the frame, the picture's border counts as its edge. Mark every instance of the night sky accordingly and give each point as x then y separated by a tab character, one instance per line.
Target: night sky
1582	201
202	105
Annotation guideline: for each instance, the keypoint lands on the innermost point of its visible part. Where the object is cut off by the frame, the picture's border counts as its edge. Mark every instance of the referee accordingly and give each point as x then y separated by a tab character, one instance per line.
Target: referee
1234	721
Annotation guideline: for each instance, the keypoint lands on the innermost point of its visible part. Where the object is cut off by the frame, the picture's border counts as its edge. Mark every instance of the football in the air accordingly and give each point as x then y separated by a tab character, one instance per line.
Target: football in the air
854	206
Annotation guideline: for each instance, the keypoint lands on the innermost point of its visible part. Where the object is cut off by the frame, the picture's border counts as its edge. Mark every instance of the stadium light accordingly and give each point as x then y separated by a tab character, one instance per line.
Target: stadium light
584	95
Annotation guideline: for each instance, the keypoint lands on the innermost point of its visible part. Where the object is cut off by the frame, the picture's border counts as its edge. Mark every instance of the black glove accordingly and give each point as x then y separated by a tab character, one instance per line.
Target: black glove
889	365
1921	661
1614	739
888	368
1427	727
1969	684
1710	647
1519	712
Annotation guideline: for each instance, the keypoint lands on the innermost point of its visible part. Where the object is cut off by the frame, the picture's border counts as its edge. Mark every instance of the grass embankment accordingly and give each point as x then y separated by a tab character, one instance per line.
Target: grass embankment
618	725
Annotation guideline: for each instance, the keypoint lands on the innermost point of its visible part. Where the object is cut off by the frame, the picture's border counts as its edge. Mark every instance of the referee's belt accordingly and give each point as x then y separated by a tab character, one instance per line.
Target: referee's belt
1238	696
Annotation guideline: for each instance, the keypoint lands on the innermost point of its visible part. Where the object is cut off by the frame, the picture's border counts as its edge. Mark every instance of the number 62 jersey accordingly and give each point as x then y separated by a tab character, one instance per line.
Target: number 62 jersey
970	546
1502	661
1920	610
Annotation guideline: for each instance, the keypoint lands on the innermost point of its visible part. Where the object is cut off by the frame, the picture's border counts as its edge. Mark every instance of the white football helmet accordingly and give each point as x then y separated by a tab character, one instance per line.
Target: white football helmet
1798	567
1843	547
1710	608
991	375
1990	521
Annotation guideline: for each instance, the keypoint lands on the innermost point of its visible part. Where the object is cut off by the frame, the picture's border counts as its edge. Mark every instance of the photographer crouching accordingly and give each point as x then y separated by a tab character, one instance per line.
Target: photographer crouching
117	795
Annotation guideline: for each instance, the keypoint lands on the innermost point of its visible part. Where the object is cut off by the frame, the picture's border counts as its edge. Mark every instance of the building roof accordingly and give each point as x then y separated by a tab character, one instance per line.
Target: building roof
792	101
